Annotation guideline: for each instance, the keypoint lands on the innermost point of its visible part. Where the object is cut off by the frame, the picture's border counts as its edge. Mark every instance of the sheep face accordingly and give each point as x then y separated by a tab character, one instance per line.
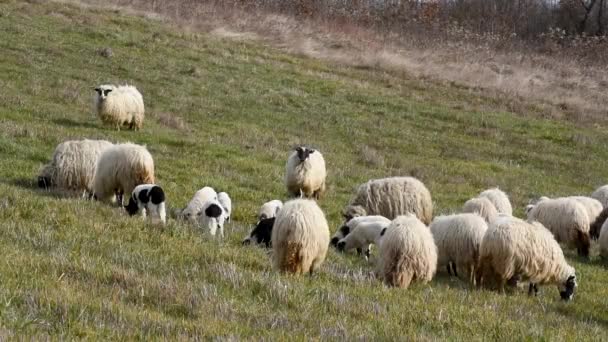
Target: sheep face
103	92
304	152
567	289
132	208
340	234
262	233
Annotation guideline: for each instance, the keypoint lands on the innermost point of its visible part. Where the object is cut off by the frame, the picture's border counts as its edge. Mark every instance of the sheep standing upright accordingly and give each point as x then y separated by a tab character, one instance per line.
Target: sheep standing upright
194	207
148	199
120	105
305	173
601	194
481	206
226	203
73	166
121	168
407	253
513	249
499	199
300	237
391	197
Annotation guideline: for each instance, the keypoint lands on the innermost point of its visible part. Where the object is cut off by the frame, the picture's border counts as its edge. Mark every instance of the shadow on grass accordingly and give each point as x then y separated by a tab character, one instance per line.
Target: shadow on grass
32	185
73	123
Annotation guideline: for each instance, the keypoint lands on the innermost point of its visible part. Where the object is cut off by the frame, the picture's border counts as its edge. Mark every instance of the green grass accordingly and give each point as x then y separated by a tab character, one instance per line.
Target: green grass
79	269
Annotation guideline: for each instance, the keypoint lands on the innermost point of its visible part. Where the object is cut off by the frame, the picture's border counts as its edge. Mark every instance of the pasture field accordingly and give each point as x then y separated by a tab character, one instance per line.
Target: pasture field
225	112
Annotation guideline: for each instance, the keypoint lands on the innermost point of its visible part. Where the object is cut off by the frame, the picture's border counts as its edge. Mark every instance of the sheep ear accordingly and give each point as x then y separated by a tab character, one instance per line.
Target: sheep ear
311	151
383	231
97	89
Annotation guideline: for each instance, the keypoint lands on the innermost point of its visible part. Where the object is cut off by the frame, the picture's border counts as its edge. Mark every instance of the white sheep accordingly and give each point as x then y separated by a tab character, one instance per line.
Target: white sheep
499	199
458	239
592	206
567	219
601	194
596	226
351	224
391	197
603	241
226	203
300	237
120	105
515	250
73	166
305	173
194	207
407	253
212	217
481	206
269	209
148	199
363	236
121	168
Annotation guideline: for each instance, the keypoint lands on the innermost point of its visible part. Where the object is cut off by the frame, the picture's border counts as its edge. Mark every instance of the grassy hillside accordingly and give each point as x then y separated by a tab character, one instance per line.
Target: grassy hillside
225	113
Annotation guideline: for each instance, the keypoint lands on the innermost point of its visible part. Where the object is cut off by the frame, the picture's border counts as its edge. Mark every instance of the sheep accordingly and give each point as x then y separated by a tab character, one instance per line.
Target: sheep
601	194
261	233
305	173
121	168
596	226
458	239
211	217
150	198
567	219
300	237
73	165
499	199
407	253
191	211
592	206
120	105
226	202
603	241
513	249
269	209
362	236
481	206
351	224
391	197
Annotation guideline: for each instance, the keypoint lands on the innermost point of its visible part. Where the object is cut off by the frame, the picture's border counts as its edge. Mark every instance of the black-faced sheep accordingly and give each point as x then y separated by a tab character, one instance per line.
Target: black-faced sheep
363	236
481	206
391	197
269	209
601	194
305	173
407	253
122	105
226	203
148	198
300	237
499	199
515	250
261	233
73	166
351	224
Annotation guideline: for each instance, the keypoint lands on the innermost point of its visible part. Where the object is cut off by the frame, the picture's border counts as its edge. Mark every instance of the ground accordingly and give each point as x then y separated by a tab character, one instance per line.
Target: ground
225	113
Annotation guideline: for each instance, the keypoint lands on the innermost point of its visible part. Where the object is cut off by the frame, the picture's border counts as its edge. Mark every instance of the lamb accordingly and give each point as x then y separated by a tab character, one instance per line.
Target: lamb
567	219
603	241
391	197
305	173
73	166
150	198
458	239
121	168
212	217
194	207
481	206
407	253
300	237
269	209
601	194
362	236
261	233
351	224
513	249
226	203
499	199
120	105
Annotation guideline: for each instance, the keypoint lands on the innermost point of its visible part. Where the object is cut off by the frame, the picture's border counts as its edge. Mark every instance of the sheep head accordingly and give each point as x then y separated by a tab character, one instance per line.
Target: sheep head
103	91
303	152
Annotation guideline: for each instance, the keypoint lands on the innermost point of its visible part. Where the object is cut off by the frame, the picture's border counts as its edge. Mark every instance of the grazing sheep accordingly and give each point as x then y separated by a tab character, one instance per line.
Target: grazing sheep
458	240
481	206
515	250
603	241
190	212
363	236
212	217
226	202
351	224
592	206
262	233
596	226
499	199
121	168
120	105
407	253
73	165
305	173
391	197
300	237
601	194
150	198
269	209
567	219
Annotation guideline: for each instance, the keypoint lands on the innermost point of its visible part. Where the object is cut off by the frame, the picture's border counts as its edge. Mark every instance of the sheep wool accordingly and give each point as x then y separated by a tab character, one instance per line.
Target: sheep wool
592	206
351	224
458	239
391	197
122	167
149	200
120	105
226	203
596	226
212	217
603	241
73	165
269	209
601	194
363	236
407	253
305	173
481	206
194	207
499	199
300	237
513	249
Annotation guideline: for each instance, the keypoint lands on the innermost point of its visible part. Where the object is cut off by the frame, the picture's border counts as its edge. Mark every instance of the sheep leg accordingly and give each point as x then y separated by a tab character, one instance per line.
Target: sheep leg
359	251
449	269
533	289
454	269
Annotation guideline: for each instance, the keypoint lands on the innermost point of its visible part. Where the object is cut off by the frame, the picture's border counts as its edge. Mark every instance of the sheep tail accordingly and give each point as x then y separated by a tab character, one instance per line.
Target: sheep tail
293	260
